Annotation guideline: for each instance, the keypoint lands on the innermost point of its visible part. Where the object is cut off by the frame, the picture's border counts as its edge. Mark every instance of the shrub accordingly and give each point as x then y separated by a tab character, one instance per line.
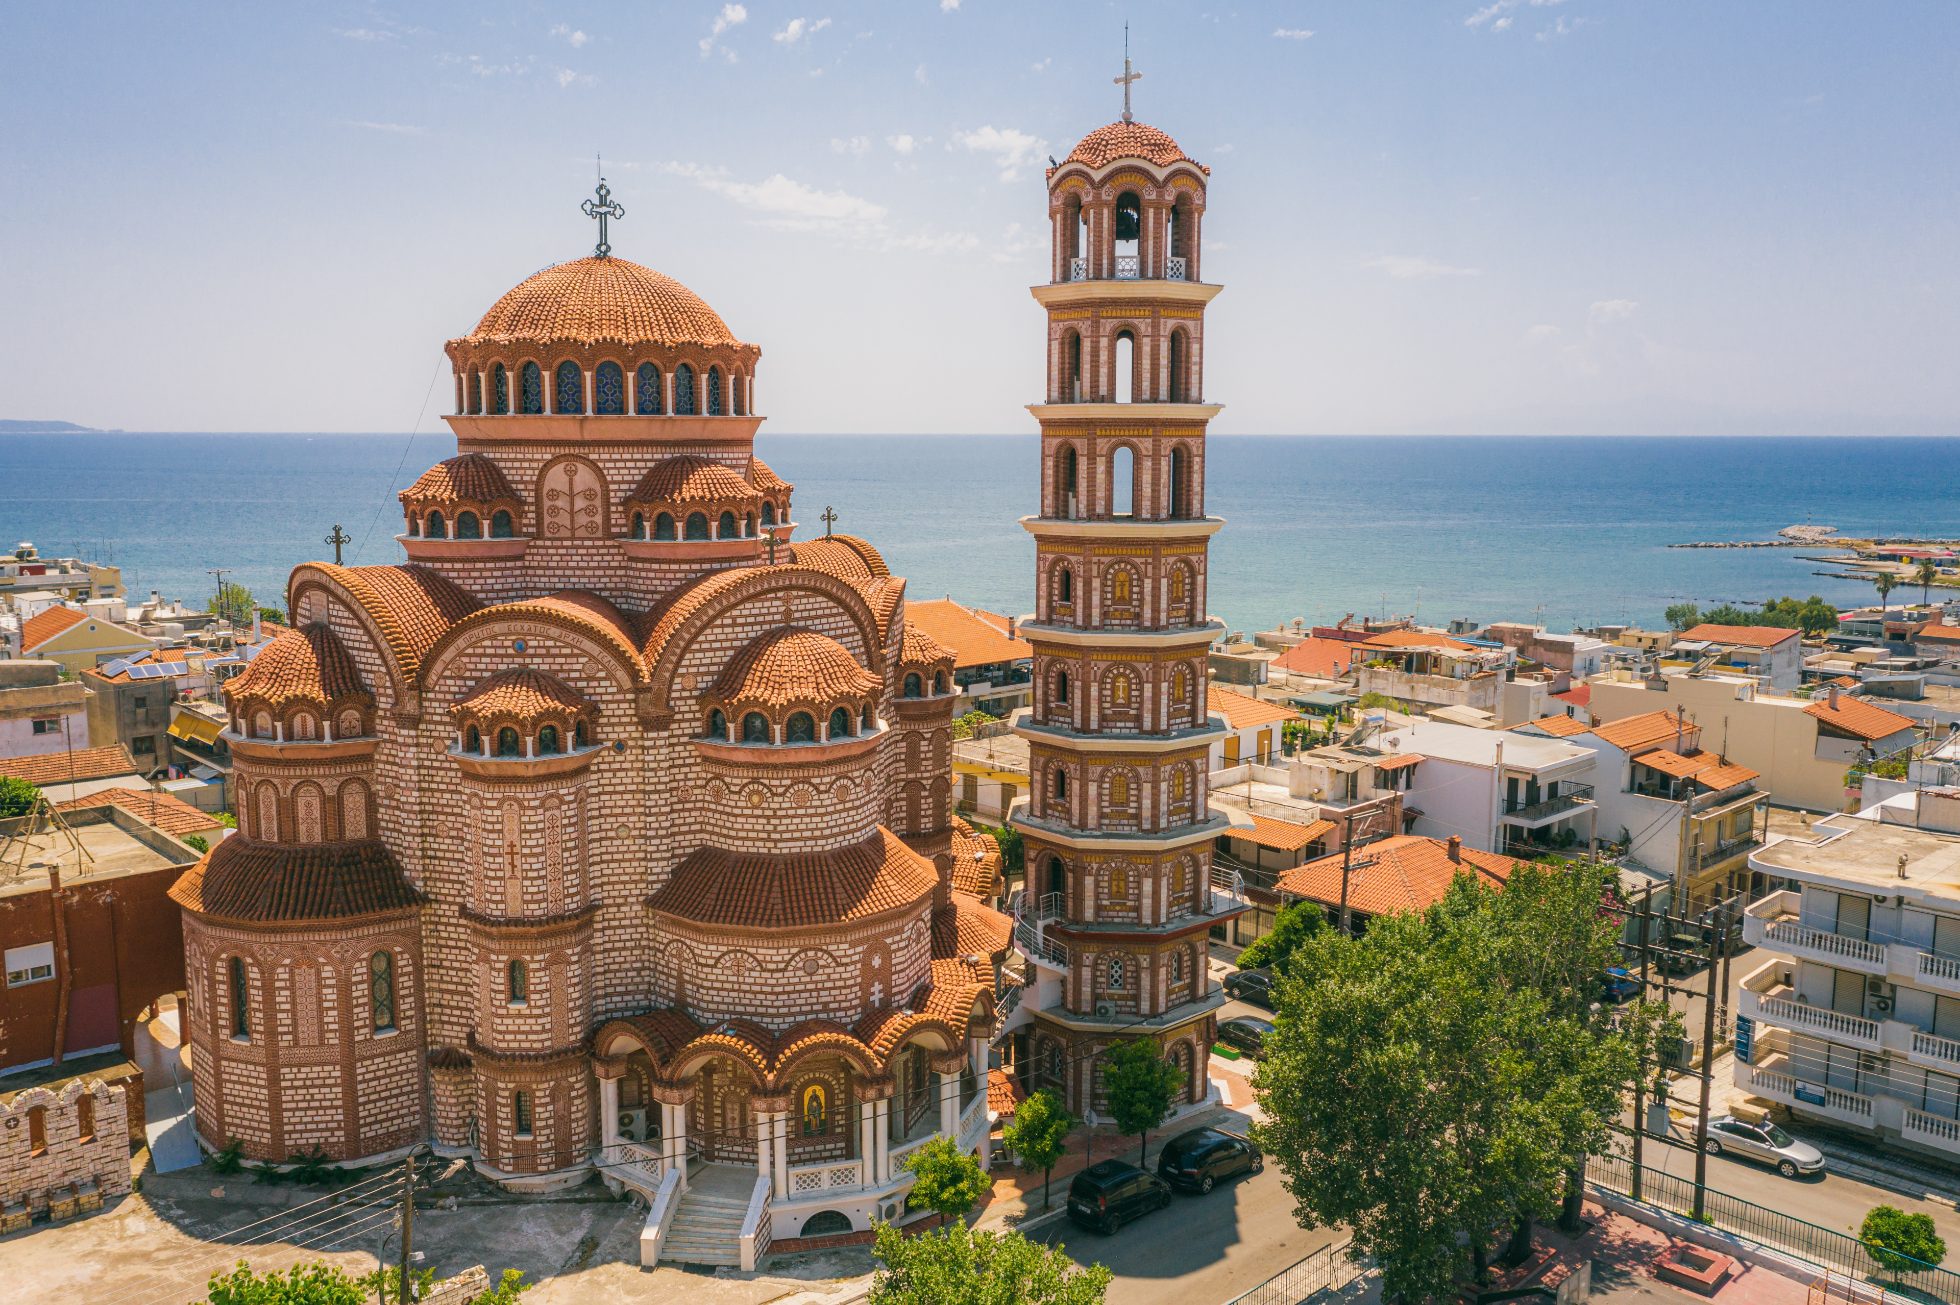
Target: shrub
1901	1243
17	797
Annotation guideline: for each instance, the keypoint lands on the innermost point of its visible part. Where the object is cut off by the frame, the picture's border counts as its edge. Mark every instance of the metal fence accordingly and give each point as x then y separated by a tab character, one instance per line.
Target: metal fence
1824	1247
1328	1269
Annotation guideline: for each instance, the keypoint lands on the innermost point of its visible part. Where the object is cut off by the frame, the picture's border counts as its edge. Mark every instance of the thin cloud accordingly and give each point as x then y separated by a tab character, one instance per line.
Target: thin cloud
1010	148
730	15
850	144
1043	65
567	77
948	6
1497	14
779	201
1293	33
1563	27
389	128
1612	310
570	35
363	34
798	29
1406	267
903	143
919	74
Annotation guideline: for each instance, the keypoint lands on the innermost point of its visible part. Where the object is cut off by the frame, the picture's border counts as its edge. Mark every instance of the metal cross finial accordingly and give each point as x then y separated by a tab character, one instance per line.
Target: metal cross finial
829	519
769	538
605	206
1129	74
337	538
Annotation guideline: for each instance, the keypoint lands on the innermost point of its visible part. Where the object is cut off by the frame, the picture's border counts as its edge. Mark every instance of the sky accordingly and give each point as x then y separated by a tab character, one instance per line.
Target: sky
1486	216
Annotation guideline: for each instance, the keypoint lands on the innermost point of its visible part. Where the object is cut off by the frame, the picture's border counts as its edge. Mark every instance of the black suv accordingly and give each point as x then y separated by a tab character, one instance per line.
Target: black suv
1196	1160
1109	1194
1255	986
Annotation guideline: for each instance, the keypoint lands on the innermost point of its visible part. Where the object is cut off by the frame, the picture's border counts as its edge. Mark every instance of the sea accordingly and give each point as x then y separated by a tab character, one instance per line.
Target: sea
1563	532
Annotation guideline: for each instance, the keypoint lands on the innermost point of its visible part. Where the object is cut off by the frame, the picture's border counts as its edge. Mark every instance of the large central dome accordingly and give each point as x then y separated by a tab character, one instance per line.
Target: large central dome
601	300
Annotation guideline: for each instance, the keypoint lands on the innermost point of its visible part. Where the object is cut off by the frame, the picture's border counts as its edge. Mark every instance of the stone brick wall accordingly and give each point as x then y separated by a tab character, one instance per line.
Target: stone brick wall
50	1140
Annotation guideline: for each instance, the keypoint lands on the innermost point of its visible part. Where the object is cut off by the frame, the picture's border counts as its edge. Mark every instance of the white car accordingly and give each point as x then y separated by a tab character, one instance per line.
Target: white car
1765	1142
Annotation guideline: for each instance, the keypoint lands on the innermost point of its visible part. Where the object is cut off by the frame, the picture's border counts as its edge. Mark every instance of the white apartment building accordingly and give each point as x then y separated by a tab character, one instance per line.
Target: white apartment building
1501	791
1854	1020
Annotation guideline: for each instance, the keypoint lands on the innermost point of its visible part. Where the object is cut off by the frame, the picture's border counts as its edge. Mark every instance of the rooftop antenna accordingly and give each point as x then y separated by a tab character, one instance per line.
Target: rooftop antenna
1129	74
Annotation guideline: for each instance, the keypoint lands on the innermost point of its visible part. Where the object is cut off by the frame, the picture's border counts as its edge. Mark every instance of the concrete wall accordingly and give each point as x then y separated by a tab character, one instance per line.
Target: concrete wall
1455	797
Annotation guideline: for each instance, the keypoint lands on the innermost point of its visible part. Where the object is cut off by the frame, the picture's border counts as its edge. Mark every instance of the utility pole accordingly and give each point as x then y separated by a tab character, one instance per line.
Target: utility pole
1346	918
1718	950
218	595
1640	1060
402	1290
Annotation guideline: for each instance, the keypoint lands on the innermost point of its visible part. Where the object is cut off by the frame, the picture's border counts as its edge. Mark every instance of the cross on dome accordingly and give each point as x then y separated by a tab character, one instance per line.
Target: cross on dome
605	206
1129	74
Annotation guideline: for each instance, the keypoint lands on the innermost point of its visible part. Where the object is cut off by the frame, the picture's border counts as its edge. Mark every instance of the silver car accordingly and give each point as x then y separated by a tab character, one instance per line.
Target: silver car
1765	1142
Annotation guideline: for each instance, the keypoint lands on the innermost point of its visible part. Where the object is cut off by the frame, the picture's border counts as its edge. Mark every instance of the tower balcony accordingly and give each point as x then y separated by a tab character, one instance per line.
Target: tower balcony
1129	267
1095	289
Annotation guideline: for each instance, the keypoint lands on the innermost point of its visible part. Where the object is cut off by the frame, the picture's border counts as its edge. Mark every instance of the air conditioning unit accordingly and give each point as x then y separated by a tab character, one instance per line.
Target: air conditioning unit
633	1125
1104	1010
1883	1005
1878	987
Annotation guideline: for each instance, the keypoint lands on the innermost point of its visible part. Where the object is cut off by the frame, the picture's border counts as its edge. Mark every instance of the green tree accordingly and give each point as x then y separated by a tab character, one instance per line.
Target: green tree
1885	582
1680	616
276	615
1294	924
1039	1133
303	1284
17	797
1925	573
946	1179
1901	1243
233	602
509	1287
197	841
1141	1087
386	1283
1374	698
958	1266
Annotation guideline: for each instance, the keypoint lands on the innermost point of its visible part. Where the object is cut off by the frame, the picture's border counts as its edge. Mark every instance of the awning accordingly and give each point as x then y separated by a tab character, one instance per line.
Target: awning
1398	763
1310	701
193	728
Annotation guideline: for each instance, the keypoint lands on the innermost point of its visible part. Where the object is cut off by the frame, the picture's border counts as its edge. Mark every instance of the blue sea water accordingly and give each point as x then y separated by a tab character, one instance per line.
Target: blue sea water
1562	531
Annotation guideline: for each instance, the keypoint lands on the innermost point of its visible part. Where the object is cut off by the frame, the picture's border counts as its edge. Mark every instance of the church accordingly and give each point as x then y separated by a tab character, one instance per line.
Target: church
612	829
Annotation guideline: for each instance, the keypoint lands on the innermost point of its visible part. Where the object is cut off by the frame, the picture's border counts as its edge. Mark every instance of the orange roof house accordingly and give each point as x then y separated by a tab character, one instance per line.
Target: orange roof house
45	625
70	767
172	815
1634	735
1408	872
1857	717
1740	636
1324	659
1247	713
1557	727
977	637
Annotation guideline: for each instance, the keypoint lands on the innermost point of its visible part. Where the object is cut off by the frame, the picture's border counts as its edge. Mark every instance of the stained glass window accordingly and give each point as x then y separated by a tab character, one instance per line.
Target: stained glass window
500	525
520	983
684	390
530	386
697	525
647	399
663	526
570	393
714	391
473	740
755	728
800	728
548	744
508	744
381	990
639	525
725	527
717	724
468	526
1116	975
520	1113
914	686
502	379
840	723
609	391
241	1005
438	528
768	514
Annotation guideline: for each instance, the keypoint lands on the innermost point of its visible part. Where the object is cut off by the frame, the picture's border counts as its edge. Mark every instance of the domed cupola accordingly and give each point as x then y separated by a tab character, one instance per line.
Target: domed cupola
523	715
301	687
462	498
925	666
792	686
1129	140
692	499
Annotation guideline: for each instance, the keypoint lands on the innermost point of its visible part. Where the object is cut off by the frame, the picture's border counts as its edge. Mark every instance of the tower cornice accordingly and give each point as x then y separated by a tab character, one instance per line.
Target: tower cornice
1061	294
1128	414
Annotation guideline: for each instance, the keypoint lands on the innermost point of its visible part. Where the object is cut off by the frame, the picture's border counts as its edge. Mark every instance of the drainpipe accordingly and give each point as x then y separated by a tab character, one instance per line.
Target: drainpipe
63	981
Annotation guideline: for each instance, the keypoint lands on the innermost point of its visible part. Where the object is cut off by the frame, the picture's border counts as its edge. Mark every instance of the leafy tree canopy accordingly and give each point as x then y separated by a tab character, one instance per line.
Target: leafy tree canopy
946	1179
303	1284
1900	1242
1374	698
17	797
1812	615
234	603
958	1266
1141	1086
1038	1134
1294	924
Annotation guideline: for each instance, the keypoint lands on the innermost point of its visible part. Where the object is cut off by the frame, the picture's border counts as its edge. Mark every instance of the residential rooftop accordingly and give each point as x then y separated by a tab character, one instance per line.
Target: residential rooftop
1872	853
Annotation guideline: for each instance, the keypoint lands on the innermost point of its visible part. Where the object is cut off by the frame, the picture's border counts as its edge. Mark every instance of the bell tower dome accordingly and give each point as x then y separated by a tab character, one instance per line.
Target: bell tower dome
1117	826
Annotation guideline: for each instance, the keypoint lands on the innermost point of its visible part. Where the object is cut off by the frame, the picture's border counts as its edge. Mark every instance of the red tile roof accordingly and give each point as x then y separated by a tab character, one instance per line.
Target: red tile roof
765	479
309	665
590	300
691	479
977	638
524	694
1004	1094
917	648
847	557
1284	835
1636	734
1726	775
1244	713
1579	695
413	605
277	883
171	814
1938	632
1405	873
1324	659
1558	727
796	890
1858	717
790	666
970	928
1741	636
1415	639
1128	140
468	478
977	861
70	767
46	624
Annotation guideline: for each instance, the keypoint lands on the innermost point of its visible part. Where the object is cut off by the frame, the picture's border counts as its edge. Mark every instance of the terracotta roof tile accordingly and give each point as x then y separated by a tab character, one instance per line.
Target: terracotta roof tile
1405	873
845	556
1415	639
791	666
1128	140
1558	727
977	638
691	479
764	479
171	814
1284	835
1675	765
70	767
977	861
591	612
1243	713
413	605
590	300
309	665
969	928
1579	695
1004	1093
1741	636
1636	734
468	478
46	624
276	883
917	648
523	693
1858	717
1324	659
1937	632
796	890
1726	775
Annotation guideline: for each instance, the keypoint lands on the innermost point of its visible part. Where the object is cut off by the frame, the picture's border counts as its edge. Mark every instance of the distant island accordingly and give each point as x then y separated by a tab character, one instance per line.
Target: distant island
11	427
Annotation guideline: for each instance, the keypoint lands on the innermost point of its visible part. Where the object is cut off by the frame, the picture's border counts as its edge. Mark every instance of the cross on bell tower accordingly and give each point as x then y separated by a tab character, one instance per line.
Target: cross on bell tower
605	206
1129	74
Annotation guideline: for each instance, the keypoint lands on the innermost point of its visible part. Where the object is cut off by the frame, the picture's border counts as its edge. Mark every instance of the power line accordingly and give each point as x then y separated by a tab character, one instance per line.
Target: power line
400	462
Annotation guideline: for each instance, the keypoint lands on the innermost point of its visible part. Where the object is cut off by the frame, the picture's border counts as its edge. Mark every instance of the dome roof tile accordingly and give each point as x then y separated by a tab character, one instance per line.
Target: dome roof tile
591	300
1129	140
275	883
690	479
470	478
790	665
523	693
796	890
306	665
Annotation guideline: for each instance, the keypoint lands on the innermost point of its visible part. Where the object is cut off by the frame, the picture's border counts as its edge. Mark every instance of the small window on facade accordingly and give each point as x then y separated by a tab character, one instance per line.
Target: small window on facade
801	727
31	964
549	741
501	525
438	528
1061	783
939	683
580	735
508	744
468	526
472	739
866	721
741	395
501	379
639	525
414	527
609	390
530	387
663	526
1116	974
697	525
1064	585
1119	790
381	990
37	1130
85	1117
1061	686
755	728
1177	967
914	686
768	514
725	527
714	391
840	723
241	1007
569	396
646	385
519	979
520	1114
717	724
684	391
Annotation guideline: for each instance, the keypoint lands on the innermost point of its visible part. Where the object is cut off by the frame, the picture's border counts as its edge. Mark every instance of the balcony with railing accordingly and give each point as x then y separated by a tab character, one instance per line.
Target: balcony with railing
1774	923
1129	267
1767	996
1940	973
1575	798
1775	1078
1931	1130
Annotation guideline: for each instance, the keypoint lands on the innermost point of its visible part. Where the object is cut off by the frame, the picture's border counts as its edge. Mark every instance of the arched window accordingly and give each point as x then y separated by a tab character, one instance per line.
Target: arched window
1180	784
816	1111
1181	504
748	526
1118	975
755	728
1119	790
1064	585
1072	368
1120	586
500	380
530	389
684	391
609	390
549	743
381	990
501	525
1119	690
581	736
1061	687
414	526
1061	783
717	725
739	385
725	526
1126	368
1180	584
801	727
647	398
714	391
639	525
866	721
1122	481
1180	685
520	1114
1177	366
768	514
508	744
1068	481
914	686
1129	234
473	739
840	723
517	977
468	526
1181	224
1056	880
939	684
473	389
438	528
663	526
569	394
697	525
241	1001
1177	967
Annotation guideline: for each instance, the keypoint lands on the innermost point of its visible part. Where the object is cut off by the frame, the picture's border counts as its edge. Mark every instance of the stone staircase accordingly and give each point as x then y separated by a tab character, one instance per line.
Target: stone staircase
706	1225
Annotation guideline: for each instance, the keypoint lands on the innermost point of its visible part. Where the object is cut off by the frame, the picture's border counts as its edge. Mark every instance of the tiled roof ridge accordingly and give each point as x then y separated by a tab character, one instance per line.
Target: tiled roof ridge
81	764
1129	140
794	664
251	882
522	692
309	664
597	301
465	478
50	621
796	890
691	478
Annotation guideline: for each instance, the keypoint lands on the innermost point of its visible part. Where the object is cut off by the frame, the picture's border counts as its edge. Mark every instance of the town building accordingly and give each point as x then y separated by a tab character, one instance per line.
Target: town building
1502	791
131	700
1852	1019
1252	728
75	773
40	711
1258	855
991	664
1405	872
1427	670
70	579
1118	828
77	639
1771	654
611	827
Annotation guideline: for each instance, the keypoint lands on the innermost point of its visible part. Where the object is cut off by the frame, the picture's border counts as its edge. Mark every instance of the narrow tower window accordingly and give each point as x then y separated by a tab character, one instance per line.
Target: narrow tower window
381	990
569	396
609	390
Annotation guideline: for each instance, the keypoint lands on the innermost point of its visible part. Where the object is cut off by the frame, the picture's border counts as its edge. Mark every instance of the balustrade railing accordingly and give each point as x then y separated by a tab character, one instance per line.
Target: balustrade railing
1935	1047
1174	268
830	1176
1782	1010
1789	933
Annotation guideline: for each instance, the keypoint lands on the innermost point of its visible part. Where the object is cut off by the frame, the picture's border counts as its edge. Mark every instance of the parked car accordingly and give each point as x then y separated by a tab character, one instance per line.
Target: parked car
1245	1033
1724	922
1765	1142
1618	984
1683	952
1197	1160
1109	1193
1255	986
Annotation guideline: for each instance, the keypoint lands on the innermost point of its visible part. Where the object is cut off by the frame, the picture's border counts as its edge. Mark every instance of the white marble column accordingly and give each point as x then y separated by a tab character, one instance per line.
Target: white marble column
867	1144
609	1113
589	383
765	1148
780	1144
881	1130
949	1105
